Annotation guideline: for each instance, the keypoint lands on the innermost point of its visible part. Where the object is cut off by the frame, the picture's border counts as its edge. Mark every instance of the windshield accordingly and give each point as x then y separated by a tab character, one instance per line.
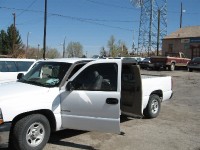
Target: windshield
46	74
196	59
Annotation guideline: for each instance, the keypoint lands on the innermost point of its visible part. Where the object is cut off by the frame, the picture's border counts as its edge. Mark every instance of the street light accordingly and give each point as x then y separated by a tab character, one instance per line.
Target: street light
38	51
27	43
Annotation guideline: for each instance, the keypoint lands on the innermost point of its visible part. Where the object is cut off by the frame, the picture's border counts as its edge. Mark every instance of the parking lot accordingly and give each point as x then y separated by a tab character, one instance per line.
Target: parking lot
176	128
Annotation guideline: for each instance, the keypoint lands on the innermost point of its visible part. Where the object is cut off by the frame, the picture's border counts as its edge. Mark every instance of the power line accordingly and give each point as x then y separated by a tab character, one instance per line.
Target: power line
91	21
27	8
112	5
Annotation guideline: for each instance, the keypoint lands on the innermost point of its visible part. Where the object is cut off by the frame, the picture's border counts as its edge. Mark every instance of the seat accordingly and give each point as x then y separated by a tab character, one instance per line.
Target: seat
95	81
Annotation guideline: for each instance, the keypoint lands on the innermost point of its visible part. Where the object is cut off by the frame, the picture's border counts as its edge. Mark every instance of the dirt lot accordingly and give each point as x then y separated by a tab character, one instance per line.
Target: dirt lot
176	128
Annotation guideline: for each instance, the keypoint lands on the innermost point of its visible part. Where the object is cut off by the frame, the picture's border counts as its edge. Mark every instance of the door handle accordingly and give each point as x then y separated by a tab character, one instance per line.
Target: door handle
112	101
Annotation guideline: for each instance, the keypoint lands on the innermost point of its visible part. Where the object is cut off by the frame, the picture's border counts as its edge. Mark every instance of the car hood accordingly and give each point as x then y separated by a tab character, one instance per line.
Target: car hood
17	98
18	89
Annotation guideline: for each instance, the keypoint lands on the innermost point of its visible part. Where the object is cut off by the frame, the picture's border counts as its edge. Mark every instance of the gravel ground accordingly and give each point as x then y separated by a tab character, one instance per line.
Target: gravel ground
176	128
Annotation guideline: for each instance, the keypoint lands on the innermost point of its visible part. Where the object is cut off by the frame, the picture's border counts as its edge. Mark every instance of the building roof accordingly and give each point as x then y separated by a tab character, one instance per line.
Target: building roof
186	32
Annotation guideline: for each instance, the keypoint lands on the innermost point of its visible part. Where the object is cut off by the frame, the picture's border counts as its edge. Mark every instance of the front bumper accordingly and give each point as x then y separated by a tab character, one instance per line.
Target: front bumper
194	67
4	134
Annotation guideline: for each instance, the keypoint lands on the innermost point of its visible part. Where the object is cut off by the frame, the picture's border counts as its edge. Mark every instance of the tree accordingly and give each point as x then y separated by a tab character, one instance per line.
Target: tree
36	53
52	53
3	43
103	52
74	49
119	49
11	43
122	49
15	45
112	46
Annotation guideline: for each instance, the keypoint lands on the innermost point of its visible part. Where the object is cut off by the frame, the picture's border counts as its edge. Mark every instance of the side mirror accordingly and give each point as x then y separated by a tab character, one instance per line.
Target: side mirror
70	86
20	75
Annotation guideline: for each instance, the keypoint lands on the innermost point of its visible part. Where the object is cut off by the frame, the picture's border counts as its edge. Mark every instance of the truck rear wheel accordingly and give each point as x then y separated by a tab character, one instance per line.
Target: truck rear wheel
153	107
190	69
31	133
172	67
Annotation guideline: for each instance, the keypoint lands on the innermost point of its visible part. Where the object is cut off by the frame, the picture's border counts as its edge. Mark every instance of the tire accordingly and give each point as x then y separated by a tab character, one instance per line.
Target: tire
31	133
172	67
190	70
153	107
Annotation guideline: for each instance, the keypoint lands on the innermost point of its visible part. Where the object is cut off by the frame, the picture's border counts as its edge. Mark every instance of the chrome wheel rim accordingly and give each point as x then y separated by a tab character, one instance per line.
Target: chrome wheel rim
35	134
154	106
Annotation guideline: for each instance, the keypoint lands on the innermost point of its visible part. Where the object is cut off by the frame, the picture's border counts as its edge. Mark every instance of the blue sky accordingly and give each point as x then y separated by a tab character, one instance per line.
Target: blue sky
68	18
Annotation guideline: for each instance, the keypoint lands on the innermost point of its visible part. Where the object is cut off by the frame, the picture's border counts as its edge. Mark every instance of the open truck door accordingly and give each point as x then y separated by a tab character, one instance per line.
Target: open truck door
91	100
131	90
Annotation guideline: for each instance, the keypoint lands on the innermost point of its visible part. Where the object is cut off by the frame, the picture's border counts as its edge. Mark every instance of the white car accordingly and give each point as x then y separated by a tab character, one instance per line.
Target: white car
11	67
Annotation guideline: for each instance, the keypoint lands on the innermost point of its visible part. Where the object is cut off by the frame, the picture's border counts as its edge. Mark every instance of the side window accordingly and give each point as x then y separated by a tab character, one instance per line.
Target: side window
23	65
3	67
127	74
11	66
76	68
97	77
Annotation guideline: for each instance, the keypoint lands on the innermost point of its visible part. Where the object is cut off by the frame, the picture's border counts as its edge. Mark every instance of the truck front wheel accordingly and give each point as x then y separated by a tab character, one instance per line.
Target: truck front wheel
31	133
153	107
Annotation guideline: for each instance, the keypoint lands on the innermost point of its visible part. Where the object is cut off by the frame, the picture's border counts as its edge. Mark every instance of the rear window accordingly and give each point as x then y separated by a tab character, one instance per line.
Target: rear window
197	59
15	66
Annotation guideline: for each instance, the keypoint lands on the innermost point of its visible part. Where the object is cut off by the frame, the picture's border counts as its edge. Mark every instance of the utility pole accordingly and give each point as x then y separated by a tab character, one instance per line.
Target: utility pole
150	28
14	36
158	33
181	15
64	48
27	44
45	25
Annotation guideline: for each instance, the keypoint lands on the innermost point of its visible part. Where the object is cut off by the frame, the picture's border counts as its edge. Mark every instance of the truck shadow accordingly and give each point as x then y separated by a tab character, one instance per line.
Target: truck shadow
56	138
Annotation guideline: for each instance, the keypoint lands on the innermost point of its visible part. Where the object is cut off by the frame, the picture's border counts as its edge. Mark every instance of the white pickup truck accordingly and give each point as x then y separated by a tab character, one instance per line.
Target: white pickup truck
81	94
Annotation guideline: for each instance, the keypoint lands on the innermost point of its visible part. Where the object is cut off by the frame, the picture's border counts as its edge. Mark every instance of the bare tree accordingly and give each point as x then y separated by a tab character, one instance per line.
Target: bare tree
74	49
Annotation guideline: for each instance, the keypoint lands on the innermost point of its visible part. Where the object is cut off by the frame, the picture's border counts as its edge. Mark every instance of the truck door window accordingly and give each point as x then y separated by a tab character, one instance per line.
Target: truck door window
97	77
